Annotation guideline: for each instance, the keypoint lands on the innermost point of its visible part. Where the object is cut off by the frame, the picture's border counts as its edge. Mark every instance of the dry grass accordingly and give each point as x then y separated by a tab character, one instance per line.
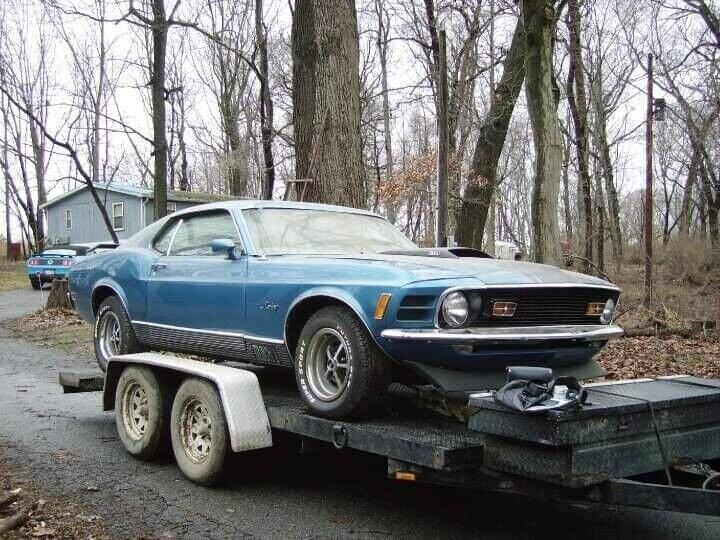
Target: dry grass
676	302
59	328
12	275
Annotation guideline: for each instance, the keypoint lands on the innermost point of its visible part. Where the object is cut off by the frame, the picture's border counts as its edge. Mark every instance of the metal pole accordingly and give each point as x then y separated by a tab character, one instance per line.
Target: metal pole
443	143
649	186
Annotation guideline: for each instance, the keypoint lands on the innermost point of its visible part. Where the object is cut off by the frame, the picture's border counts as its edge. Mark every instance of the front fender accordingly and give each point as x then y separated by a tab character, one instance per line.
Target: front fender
336	293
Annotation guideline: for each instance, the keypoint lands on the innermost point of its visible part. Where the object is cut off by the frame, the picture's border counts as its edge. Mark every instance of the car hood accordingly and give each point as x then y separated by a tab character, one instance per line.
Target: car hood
489	271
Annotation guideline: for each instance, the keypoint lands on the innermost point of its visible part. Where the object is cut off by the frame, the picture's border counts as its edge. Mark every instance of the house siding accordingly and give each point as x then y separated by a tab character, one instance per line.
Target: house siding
87	222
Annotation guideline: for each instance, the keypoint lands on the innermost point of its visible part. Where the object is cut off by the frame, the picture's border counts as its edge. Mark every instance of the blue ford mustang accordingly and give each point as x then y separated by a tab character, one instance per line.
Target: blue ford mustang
340	296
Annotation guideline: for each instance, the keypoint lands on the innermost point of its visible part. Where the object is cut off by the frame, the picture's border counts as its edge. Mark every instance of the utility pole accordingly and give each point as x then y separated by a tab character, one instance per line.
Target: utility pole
443	144
649	185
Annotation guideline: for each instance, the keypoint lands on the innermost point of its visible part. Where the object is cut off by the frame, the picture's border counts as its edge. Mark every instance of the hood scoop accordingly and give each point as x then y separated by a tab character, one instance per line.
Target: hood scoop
441	253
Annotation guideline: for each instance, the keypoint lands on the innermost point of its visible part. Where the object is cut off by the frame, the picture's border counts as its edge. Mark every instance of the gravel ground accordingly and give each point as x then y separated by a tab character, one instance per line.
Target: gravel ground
69	449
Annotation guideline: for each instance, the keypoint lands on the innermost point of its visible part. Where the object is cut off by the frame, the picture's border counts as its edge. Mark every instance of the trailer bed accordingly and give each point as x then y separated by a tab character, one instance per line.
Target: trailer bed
535	456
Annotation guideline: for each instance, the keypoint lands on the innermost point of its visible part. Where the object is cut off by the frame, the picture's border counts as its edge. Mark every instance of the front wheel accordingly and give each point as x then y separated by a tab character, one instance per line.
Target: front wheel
340	371
114	334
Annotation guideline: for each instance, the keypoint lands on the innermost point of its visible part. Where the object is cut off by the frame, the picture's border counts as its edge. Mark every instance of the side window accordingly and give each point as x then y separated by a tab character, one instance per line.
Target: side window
195	233
118	216
162	240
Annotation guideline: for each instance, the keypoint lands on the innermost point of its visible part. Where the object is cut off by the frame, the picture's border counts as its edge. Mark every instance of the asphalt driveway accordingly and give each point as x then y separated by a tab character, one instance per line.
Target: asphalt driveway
69	447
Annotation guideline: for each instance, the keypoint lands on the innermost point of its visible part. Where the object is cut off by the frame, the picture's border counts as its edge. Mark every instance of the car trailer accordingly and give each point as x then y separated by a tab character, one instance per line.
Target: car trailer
647	443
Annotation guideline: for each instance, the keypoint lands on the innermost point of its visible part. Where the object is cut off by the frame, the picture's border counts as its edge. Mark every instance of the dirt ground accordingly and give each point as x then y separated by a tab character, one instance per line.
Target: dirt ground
50	518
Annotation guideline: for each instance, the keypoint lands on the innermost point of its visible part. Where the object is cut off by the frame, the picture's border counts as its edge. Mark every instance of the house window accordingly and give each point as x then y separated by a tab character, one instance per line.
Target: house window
171	207
118	216
68	219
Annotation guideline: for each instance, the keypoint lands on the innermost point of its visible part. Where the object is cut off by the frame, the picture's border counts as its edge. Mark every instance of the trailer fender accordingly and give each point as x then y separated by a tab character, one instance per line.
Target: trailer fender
239	392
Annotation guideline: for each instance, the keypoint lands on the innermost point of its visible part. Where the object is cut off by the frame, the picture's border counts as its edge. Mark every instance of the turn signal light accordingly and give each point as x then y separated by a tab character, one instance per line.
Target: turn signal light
382	305
404	475
504	309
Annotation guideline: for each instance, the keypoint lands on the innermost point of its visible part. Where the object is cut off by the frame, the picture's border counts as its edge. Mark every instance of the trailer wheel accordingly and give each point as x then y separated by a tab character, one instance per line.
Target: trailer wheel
199	432
141	412
340	371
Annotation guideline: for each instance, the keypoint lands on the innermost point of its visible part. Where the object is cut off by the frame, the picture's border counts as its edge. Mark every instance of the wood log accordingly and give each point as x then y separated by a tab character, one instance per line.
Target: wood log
7	500
13	522
58	297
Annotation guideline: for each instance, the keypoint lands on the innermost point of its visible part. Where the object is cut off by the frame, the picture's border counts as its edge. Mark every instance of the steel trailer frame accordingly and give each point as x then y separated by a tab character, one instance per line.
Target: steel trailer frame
419	445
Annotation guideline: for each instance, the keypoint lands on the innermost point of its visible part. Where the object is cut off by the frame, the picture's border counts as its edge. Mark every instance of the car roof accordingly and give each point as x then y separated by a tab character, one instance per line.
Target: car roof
291	205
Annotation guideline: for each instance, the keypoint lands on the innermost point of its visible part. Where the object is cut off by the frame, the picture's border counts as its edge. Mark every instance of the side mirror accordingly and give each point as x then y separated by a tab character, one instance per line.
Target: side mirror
224	244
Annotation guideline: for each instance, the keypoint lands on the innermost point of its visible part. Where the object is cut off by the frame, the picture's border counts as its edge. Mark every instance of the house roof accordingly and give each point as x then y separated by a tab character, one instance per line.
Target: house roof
143	193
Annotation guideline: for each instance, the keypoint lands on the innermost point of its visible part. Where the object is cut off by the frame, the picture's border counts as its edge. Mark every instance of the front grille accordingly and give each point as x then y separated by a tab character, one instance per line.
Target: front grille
416	308
542	306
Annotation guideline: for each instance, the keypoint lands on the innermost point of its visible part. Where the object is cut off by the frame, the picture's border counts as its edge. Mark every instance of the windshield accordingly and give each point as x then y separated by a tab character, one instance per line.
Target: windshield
286	231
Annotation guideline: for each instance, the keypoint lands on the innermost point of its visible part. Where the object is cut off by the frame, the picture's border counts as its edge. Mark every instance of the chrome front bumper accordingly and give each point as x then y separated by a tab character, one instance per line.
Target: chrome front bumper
520	335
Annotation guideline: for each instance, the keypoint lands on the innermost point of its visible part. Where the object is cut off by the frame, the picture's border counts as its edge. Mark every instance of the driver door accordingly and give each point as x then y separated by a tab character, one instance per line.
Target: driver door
192	289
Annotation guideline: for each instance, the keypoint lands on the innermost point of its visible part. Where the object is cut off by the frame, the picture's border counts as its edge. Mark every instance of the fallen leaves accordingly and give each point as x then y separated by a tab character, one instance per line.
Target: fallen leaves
629	358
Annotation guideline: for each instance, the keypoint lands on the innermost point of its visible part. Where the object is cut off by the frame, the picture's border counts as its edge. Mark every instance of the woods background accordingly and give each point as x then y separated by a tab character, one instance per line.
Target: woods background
546	115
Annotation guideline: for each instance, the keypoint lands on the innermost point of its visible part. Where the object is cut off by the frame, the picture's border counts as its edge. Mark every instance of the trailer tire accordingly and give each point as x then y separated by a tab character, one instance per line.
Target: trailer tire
199	432
142	410
340	371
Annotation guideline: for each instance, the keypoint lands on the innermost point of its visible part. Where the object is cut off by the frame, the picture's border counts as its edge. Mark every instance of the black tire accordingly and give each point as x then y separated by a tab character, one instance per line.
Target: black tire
201	455
142	413
368	371
36	283
112	310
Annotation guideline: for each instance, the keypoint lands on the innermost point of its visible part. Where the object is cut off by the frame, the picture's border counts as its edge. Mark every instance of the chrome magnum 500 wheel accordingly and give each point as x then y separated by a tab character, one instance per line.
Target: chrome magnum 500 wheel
339	370
199	433
113	334
141	412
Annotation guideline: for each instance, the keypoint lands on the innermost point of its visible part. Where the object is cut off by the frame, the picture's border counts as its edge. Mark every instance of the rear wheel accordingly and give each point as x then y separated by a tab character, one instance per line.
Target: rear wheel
114	334
199	432
141	412
339	370
36	283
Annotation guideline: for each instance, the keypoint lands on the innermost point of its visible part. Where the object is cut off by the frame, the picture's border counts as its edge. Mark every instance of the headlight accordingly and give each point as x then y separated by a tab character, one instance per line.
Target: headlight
455	309
608	313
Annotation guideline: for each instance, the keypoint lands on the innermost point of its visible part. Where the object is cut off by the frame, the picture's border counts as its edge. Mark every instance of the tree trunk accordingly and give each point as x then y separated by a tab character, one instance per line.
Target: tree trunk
539	16
266	105
326	101
685	220
566	195
58	297
482	180
578	108
159	35
237	173
382	46
603	148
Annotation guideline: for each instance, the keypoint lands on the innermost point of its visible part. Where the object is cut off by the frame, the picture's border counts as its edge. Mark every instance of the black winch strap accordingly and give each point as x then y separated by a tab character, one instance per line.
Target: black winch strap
661	446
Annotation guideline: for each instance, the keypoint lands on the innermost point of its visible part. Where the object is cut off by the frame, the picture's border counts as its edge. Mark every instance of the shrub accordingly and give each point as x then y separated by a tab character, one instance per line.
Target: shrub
687	260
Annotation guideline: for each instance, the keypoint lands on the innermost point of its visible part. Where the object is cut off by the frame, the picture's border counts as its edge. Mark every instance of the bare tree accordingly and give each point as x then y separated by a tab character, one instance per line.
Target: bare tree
483	171
577	100
539	20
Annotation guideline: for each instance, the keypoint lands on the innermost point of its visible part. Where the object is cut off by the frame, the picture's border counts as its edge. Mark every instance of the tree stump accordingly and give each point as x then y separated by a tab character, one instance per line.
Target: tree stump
58	297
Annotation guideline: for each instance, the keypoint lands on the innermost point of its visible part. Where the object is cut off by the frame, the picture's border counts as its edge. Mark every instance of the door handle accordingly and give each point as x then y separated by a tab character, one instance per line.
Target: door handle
158	266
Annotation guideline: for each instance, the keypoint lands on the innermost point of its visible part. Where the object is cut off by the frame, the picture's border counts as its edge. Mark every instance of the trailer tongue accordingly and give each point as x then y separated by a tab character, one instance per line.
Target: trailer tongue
652	443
